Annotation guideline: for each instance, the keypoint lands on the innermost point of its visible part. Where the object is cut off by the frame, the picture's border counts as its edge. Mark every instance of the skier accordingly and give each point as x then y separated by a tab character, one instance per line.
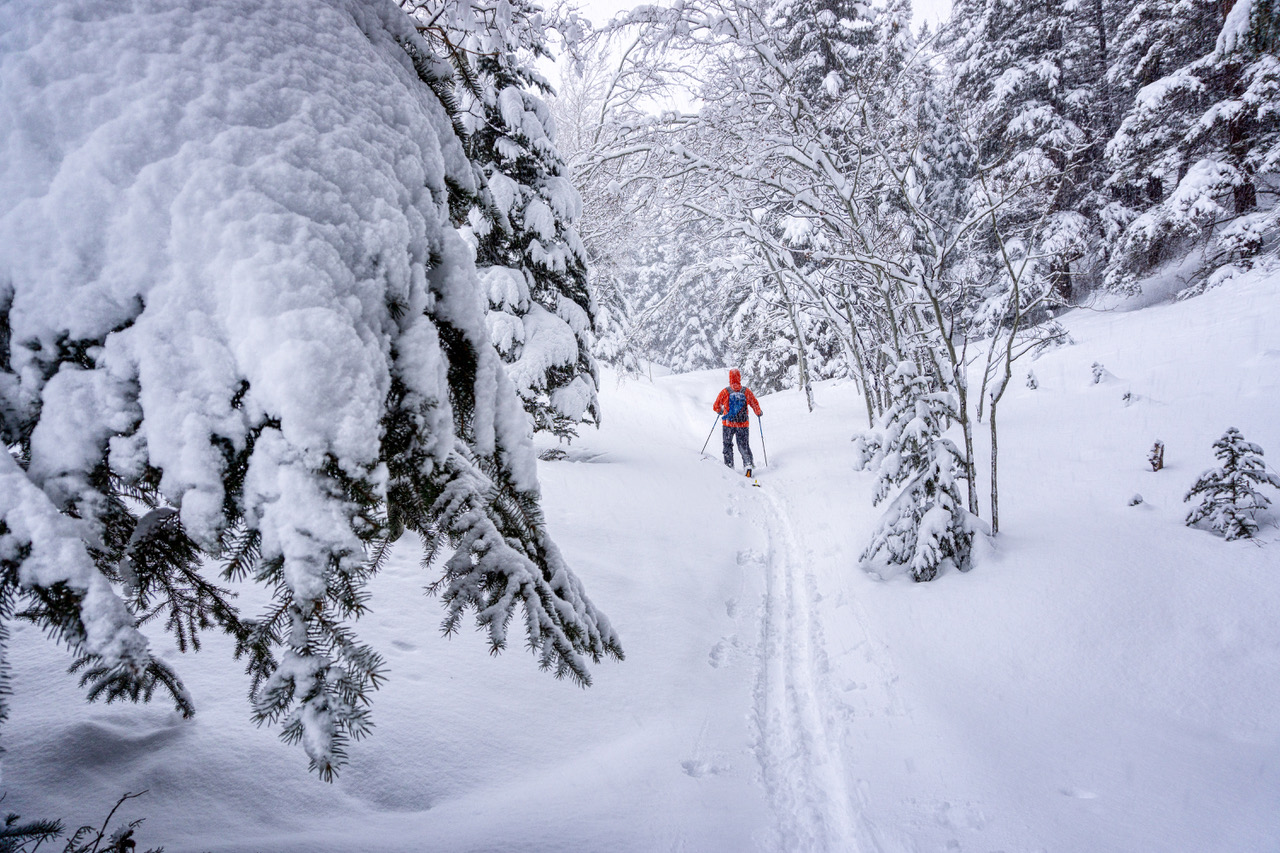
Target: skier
732	404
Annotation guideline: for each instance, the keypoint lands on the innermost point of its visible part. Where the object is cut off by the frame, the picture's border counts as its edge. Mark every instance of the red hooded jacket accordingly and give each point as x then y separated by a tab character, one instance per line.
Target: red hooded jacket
722	402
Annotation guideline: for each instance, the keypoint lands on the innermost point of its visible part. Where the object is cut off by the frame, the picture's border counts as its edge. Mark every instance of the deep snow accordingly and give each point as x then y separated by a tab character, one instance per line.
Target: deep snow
1105	679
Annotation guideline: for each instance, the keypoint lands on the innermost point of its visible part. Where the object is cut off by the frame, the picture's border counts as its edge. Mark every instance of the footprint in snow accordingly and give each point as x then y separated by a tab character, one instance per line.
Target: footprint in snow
1078	794
720	653
698	768
959	816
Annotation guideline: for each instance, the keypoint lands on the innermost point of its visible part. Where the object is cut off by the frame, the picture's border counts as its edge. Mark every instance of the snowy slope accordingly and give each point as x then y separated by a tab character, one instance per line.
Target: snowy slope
1103	680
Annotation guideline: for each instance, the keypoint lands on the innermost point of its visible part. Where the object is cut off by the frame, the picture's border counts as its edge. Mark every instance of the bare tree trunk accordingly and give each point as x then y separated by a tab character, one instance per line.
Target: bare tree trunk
801	361
1103	62
966	427
995	471
864	379
959	381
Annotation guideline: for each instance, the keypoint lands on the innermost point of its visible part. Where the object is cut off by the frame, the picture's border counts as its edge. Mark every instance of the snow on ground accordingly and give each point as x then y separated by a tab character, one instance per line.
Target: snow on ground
1103	680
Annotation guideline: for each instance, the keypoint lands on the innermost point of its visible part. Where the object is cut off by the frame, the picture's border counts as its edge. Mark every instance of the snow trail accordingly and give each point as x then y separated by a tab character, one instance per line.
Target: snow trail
801	762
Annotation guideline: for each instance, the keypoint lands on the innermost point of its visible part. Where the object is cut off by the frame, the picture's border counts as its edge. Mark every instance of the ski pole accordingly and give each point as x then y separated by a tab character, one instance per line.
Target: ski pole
765	450
713	429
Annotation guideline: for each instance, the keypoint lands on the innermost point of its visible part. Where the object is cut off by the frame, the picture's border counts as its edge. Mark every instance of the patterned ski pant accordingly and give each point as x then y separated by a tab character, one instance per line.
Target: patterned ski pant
743	435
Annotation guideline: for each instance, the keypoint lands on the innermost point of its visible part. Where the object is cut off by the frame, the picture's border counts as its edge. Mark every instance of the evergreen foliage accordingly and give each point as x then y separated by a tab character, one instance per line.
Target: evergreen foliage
528	251
18	837
1198	152
1229	496
155	463
925	526
1029	71
823	42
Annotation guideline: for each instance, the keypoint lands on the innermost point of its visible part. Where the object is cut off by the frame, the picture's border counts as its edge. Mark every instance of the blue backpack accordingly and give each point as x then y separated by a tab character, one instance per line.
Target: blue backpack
737	412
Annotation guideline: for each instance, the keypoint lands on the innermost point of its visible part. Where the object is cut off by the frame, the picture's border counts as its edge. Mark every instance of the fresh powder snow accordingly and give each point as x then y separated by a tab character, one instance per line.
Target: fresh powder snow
1102	680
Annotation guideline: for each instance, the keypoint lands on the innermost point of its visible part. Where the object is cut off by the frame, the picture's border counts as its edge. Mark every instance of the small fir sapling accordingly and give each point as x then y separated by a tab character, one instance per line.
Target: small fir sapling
1099	372
1136	500
1156	456
925	526
1032	382
1229	495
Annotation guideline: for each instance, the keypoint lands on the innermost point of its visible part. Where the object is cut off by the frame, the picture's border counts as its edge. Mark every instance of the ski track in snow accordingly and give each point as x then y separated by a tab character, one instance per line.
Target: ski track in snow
801	761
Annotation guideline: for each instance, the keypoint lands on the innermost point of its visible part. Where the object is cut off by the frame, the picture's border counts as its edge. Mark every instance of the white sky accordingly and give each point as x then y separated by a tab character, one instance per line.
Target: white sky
601	10
930	10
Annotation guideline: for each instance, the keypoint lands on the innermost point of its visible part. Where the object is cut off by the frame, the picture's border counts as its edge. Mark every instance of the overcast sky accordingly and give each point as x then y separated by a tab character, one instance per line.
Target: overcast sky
602	10
930	10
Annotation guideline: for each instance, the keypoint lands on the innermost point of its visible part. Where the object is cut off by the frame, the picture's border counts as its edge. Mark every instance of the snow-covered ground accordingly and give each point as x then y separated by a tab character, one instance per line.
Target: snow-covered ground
1105	679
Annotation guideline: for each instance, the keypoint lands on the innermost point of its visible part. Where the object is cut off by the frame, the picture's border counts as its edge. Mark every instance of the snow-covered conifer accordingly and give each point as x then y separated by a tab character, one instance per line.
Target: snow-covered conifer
925	526
1156	38
823	42
528	252
239	329
1203	142
1229	496
1037	109
681	321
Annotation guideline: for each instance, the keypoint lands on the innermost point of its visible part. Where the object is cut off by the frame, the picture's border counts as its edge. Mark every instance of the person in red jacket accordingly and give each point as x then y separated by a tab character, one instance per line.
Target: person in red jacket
732	405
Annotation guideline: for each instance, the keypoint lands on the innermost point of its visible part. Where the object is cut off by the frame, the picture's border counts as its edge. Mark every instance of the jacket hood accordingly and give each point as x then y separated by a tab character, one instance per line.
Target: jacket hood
735	380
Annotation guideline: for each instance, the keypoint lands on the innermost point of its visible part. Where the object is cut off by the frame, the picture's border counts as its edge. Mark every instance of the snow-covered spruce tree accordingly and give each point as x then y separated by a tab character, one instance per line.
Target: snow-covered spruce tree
1204	143
1154	39
823	43
528	252
1229	496
925	526
1035	110
251	339
681	320
762	341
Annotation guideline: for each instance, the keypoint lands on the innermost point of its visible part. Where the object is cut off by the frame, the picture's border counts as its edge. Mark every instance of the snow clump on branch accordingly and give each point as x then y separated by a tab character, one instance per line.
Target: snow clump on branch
232	295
